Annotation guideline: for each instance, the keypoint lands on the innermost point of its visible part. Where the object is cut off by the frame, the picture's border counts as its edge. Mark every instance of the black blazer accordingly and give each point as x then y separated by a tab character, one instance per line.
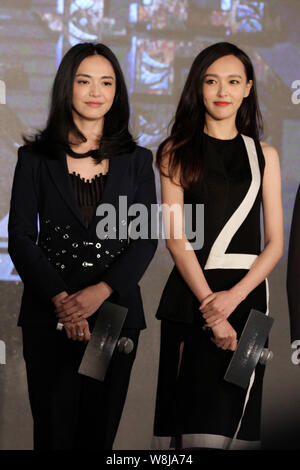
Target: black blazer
293	272
63	255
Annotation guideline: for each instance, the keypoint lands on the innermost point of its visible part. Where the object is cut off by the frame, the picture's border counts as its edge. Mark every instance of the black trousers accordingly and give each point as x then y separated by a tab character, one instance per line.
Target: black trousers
72	411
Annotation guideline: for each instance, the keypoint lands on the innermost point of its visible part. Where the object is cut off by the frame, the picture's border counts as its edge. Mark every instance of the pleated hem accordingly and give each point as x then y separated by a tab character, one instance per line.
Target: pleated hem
207	441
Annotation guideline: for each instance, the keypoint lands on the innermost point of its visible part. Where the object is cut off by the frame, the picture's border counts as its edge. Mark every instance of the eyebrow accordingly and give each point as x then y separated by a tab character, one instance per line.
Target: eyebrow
215	75
89	76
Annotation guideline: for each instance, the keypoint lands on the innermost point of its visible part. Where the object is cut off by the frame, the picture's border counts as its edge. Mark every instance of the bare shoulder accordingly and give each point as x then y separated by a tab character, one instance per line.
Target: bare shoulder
270	152
167	167
167	156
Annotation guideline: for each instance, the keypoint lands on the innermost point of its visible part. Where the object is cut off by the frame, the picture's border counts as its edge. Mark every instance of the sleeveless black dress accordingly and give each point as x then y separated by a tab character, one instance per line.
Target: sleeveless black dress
195	406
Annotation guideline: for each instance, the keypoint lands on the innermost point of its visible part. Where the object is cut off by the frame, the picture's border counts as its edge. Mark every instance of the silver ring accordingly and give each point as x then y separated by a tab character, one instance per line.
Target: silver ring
79	315
59	326
80	334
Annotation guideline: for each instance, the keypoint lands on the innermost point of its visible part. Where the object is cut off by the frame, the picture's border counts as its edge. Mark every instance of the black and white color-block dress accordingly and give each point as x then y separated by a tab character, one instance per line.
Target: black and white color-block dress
195	406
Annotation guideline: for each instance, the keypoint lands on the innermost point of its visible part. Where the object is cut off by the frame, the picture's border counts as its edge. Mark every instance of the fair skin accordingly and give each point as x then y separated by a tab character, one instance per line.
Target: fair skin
93	94
226	81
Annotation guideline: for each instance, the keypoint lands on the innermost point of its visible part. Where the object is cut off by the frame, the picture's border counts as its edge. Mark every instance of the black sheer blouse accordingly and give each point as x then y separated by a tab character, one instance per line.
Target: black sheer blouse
88	194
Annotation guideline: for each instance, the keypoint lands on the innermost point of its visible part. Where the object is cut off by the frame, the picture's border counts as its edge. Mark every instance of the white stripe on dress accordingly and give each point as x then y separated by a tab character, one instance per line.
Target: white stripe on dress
217	258
214	441
161	443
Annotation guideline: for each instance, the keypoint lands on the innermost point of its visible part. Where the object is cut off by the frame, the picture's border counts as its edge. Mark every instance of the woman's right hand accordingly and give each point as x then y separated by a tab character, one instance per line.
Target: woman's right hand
224	336
78	331
59	297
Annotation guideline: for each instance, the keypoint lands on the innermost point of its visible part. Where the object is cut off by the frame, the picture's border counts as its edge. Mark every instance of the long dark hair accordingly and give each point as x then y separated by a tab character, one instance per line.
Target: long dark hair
184	145
115	138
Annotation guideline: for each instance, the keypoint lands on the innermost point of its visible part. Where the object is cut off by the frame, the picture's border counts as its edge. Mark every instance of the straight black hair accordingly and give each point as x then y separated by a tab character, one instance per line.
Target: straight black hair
115	138
184	145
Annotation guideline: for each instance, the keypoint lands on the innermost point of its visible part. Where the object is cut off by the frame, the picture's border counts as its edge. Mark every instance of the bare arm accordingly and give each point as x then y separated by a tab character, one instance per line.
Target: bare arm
185	258
177	243
273	224
220	307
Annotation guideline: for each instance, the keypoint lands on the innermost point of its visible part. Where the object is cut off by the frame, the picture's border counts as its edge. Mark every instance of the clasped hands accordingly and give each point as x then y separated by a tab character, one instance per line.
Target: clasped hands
73	310
215	309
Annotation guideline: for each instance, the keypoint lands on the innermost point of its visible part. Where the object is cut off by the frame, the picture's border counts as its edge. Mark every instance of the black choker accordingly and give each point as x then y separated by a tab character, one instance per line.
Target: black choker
91	153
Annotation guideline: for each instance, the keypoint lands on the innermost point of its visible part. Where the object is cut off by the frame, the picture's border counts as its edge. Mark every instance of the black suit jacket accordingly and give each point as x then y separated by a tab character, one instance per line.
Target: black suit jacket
293	272
62	254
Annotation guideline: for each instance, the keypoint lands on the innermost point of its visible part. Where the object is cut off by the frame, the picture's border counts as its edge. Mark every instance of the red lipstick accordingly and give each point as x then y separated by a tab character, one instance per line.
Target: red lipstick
94	104
221	103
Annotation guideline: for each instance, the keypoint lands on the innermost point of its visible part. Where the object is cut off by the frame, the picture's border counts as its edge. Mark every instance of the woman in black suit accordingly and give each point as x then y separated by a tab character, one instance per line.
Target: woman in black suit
84	156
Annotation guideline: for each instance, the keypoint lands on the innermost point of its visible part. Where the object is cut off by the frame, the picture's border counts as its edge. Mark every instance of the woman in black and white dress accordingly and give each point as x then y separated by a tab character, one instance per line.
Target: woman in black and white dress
214	157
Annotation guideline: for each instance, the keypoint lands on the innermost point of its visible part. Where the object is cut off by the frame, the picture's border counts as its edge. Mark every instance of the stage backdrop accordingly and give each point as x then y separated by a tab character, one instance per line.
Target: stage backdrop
155	41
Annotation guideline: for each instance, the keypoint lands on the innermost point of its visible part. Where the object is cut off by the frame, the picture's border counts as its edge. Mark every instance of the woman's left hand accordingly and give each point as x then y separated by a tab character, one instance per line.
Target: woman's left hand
83	303
217	307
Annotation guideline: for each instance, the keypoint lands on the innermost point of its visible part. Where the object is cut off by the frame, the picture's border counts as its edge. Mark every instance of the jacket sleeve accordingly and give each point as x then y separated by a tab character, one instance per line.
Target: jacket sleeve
293	272
30	262
126	271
